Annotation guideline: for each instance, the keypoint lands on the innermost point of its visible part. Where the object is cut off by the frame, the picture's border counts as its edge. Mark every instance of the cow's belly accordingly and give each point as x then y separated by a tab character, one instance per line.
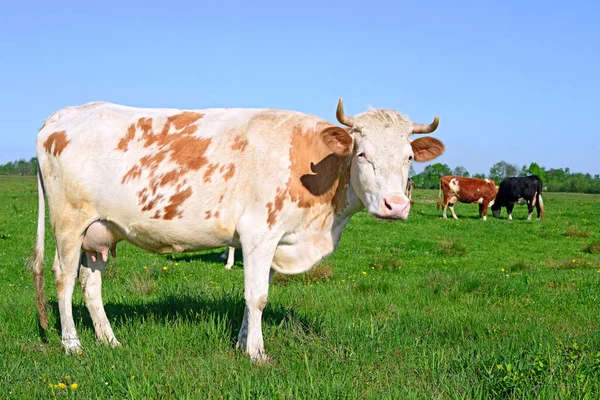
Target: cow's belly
160	238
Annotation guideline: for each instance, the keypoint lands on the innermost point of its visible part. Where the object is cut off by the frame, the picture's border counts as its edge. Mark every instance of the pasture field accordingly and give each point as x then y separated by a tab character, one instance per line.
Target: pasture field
426	308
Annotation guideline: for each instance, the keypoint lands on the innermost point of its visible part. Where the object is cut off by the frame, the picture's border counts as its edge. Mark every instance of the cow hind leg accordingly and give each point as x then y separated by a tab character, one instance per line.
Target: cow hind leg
530	210
90	277
444	208
65	273
452	210
230	257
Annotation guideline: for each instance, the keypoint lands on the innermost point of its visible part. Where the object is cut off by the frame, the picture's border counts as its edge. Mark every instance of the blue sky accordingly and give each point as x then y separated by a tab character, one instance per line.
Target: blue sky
513	80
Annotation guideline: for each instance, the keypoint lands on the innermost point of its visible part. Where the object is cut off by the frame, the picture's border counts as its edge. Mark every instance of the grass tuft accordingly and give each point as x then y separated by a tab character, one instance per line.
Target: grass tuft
452	248
593	248
577	233
320	273
142	284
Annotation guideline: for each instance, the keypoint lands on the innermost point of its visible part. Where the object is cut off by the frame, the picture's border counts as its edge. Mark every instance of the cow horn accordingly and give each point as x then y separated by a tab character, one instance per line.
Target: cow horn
343	118
426	128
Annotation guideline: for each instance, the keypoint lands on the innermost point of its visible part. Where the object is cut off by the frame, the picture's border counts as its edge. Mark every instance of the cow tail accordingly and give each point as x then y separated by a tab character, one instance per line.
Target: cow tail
36	261
439	202
539	199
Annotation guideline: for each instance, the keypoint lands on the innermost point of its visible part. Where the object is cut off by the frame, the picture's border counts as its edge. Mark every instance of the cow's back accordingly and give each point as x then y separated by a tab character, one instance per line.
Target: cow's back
146	168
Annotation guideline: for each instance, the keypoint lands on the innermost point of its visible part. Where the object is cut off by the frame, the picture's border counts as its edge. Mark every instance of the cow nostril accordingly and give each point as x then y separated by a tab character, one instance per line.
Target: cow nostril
387	205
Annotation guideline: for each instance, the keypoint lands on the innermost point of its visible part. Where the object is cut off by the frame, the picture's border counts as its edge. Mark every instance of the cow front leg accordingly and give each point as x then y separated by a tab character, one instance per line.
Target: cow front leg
483	209
509	210
257	276
90	277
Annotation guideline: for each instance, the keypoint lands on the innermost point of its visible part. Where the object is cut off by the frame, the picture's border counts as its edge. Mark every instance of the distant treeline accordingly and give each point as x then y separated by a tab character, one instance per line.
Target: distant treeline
20	167
555	180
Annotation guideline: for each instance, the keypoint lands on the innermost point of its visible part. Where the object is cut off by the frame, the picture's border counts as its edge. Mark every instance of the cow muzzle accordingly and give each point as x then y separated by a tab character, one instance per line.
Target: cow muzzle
393	208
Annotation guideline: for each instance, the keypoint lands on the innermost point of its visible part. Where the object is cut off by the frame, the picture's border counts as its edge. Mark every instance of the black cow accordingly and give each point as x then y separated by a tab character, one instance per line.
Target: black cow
514	189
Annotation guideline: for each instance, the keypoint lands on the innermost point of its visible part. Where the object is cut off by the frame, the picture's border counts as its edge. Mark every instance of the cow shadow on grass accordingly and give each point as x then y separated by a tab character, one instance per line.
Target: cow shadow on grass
212	256
226	306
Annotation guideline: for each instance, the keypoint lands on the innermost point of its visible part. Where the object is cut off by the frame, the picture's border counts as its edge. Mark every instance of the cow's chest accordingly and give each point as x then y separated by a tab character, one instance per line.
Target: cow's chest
300	251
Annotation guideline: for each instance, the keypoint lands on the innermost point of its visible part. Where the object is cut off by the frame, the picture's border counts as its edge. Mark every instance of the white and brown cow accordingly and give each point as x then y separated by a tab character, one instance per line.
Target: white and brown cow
279	184
466	190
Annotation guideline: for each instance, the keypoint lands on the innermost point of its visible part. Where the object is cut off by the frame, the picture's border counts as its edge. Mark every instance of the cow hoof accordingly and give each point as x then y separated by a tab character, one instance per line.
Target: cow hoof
72	346
259	357
228	266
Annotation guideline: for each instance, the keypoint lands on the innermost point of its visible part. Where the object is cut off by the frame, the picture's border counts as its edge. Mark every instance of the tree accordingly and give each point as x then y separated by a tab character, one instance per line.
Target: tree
430	177
502	170
535	169
479	175
411	172
523	171
460	171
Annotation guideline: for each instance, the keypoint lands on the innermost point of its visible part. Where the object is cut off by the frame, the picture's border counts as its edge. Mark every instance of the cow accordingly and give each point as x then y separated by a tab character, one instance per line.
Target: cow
229	254
410	184
466	190
281	185
514	190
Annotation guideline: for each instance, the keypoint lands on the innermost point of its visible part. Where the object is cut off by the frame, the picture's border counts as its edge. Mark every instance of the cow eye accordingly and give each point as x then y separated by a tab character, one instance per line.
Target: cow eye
410	158
361	154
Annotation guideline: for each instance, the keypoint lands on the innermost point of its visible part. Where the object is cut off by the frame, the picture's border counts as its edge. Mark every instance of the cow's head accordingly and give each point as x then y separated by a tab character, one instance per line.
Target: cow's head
382	150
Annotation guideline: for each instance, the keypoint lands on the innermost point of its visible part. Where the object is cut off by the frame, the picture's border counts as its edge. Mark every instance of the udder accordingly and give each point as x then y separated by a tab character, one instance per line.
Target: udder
100	237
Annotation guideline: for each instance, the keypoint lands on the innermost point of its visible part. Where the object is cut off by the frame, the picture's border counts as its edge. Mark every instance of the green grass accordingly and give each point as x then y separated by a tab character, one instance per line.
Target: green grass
429	308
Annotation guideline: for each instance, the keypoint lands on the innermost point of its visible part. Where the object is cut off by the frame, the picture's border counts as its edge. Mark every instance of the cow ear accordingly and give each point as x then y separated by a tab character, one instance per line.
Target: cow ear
337	139
427	148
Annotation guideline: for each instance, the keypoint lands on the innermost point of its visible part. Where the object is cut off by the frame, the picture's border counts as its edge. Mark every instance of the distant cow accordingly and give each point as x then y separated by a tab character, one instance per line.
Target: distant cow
410	184
513	190
281	185
466	190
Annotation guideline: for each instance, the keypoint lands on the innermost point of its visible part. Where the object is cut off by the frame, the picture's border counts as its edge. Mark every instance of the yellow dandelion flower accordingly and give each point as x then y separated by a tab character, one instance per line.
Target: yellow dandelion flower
165	268
573	260
502	270
343	280
364	273
67	377
444	261
62	385
74	386
10	284
176	264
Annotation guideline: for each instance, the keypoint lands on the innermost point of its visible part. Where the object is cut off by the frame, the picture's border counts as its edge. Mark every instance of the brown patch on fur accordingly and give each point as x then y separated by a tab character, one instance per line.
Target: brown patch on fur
216	214
174	143
172	211
229	173
239	144
221	198
209	171
315	171
275	206
56	143
317	176
124	142
427	148
207	214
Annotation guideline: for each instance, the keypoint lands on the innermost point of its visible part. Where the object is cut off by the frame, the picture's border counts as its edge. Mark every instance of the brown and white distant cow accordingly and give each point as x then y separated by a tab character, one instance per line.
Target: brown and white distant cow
279	184
466	190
